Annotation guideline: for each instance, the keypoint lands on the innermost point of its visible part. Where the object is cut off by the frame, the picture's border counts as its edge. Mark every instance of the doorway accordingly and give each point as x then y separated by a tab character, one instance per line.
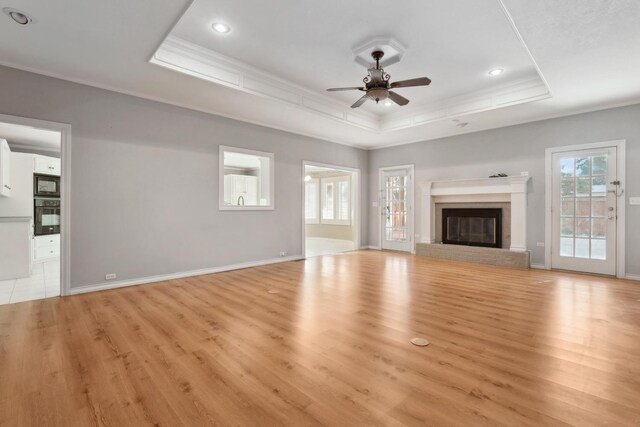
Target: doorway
33	219
396	208
586	208
331	209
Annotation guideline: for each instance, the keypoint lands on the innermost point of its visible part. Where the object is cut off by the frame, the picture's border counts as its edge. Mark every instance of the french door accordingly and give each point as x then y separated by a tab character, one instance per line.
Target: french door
396	208
584	211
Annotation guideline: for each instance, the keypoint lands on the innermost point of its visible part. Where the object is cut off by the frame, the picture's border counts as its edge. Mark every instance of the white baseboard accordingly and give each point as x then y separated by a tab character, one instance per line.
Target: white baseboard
632	276
538	266
160	278
375	248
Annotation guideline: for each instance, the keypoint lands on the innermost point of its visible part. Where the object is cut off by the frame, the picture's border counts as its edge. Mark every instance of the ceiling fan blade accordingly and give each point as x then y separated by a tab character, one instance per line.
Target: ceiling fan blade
400	100
360	101
336	89
421	81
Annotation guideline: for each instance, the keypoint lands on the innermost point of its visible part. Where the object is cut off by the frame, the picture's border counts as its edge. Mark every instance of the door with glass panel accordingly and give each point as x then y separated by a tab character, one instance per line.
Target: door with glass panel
584	211
396	201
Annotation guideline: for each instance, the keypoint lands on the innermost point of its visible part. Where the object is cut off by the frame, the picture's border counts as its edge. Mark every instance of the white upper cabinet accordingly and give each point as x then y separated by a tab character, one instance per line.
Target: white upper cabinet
47	165
5	168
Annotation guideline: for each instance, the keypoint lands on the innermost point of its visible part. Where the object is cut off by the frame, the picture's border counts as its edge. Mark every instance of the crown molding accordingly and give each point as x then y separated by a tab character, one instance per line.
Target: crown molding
194	60
533	89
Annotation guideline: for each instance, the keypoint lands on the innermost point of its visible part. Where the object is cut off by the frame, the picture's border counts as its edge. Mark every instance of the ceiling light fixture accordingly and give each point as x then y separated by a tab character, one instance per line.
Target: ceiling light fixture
18	16
221	28
496	72
387	104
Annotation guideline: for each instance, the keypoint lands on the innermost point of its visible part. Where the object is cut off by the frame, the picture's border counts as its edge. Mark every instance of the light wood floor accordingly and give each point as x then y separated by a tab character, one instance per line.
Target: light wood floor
508	347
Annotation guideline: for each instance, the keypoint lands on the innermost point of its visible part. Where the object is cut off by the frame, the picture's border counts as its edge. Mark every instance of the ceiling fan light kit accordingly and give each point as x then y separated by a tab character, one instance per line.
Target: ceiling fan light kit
377	85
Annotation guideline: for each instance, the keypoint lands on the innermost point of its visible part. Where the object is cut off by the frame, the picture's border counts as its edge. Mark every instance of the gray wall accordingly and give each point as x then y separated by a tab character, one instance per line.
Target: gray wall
512	150
144	194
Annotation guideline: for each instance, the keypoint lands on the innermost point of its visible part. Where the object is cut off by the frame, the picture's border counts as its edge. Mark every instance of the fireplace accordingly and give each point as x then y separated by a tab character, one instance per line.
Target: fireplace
472	227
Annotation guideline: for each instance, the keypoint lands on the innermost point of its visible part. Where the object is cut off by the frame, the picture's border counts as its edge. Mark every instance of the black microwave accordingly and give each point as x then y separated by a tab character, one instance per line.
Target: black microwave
46	185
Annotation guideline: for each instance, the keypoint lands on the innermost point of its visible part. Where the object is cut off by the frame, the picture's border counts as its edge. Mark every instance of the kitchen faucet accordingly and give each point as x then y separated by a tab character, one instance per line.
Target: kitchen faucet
240	197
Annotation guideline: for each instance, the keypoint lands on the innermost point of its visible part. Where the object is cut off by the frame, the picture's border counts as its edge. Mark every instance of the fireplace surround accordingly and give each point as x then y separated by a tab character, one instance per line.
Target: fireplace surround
506	193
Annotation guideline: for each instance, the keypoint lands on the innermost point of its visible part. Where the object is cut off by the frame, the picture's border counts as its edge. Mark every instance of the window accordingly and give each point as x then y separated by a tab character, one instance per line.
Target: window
311	200
246	179
335	200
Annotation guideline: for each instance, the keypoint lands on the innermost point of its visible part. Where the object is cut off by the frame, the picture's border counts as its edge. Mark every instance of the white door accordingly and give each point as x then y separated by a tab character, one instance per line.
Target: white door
584	211
396	209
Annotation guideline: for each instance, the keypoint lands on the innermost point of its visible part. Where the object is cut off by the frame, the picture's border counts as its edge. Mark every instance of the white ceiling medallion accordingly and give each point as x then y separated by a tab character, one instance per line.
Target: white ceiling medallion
393	52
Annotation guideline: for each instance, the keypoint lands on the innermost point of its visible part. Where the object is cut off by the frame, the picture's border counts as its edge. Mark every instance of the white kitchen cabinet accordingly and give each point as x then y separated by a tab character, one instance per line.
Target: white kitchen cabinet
47	165
5	168
45	247
241	190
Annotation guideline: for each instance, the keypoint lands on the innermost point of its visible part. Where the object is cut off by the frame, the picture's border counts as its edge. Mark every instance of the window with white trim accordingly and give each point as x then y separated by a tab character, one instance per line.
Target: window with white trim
246	179
311	200
335	198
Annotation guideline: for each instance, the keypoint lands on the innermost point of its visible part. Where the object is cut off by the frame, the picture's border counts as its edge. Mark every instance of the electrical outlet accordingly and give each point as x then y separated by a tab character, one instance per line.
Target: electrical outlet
634	201
283	253
540	244
110	276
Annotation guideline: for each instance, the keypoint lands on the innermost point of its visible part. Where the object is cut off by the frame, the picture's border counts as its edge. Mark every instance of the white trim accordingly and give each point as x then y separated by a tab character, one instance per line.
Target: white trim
355	198
632	276
372	247
272	203
412	208
65	193
538	266
514	27
620	145
322	194
188	58
511	189
173	276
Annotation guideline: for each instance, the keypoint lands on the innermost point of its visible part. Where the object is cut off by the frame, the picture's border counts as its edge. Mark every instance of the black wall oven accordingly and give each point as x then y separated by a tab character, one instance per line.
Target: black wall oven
46	185
47	216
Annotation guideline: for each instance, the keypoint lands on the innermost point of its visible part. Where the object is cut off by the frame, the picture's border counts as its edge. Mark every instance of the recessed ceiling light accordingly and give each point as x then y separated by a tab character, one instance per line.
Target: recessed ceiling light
221	28
496	72
18	16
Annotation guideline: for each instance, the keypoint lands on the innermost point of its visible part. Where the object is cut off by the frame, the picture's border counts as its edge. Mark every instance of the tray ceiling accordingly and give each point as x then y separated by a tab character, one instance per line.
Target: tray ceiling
272	68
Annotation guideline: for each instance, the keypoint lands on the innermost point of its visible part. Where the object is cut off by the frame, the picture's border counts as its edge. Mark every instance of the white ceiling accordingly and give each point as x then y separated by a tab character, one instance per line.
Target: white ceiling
584	51
310	43
30	137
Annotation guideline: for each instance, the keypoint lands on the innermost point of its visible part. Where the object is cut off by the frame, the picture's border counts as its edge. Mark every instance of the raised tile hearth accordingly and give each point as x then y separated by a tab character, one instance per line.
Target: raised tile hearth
477	254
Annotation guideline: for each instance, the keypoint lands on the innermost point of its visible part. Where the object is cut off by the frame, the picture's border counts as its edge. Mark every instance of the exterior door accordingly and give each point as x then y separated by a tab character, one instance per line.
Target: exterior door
584	211
396	209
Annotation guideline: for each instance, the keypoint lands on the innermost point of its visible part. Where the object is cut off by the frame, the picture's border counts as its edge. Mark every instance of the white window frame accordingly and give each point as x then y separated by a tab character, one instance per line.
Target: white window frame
333	221
315	220
270	156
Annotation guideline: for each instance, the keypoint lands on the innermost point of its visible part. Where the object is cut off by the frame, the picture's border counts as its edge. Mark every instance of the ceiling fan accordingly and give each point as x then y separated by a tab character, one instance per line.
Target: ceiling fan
378	87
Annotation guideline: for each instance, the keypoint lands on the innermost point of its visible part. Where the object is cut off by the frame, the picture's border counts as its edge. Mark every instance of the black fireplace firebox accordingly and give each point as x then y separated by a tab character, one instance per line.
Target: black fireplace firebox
472	227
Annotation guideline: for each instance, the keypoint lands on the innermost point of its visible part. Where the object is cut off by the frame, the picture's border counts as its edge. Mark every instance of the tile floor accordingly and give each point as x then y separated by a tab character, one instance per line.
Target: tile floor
44	282
316	246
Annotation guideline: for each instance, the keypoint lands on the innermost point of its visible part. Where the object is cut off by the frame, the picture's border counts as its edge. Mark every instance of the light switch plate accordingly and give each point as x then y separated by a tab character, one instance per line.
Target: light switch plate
634	200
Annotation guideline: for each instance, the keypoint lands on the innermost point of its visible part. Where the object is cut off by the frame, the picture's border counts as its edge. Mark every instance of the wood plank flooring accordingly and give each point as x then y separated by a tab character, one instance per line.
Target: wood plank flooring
508	347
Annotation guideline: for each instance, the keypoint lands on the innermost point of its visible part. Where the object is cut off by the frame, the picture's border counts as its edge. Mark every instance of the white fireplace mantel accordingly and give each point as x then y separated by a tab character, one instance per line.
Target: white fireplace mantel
512	189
